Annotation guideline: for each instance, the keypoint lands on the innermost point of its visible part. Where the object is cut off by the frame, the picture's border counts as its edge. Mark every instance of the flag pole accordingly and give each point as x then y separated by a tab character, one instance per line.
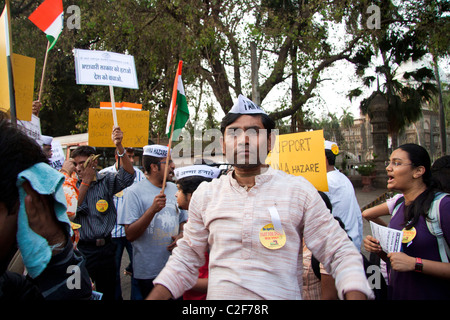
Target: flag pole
113	105
43	72
172	126
166	170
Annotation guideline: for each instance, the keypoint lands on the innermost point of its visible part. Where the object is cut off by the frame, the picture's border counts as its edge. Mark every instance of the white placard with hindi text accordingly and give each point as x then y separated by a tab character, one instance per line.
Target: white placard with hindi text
103	68
57	159
31	128
390	239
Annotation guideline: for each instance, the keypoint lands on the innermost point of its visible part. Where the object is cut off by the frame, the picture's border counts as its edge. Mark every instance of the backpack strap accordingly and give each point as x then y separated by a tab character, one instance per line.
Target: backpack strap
315	265
434	226
397	205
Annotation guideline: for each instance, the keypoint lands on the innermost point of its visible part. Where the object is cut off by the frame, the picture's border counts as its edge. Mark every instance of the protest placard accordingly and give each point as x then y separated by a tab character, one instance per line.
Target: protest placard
23	70
103	68
301	154
57	159
134	125
7	100
31	128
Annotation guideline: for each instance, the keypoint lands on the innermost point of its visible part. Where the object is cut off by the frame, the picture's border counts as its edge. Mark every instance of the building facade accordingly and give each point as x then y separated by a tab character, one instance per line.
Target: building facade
425	132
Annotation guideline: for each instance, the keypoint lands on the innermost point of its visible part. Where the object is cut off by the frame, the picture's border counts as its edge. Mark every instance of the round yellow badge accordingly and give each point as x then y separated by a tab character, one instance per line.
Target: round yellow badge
101	205
335	149
408	235
119	194
270	238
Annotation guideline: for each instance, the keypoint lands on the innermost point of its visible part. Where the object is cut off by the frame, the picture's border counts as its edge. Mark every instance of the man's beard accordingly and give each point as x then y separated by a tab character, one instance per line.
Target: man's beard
245	162
247	166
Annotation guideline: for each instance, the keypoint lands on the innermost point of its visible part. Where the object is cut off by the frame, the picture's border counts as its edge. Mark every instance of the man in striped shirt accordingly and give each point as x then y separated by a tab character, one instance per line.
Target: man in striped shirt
118	235
253	221
97	214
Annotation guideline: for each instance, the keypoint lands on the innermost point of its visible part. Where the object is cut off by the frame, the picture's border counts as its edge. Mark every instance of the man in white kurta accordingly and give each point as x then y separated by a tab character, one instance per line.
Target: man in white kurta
253	221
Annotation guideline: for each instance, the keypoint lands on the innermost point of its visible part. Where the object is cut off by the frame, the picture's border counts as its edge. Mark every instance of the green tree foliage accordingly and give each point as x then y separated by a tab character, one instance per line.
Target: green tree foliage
133	27
402	38
213	38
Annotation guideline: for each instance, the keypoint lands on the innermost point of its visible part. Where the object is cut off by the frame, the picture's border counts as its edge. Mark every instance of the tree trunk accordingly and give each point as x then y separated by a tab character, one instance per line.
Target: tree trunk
255	70
441	109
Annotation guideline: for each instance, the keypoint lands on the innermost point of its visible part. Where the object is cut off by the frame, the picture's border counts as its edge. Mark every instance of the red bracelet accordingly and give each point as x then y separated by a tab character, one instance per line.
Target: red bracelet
419	265
84	184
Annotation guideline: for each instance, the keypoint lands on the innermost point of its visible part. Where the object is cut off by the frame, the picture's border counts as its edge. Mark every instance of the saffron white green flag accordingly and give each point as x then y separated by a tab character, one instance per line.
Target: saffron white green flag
49	17
177	120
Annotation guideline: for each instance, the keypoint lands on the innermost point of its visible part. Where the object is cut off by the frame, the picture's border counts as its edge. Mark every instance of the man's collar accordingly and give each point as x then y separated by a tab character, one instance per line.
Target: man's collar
263	177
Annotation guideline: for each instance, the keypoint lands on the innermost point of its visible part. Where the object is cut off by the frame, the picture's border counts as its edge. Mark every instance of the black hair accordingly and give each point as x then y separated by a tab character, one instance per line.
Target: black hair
149	160
440	170
84	151
267	122
190	184
18	152
419	156
331	157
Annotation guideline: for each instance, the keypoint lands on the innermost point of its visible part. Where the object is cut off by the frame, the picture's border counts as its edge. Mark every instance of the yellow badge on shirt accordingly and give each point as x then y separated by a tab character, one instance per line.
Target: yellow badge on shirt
270	238
75	226
119	194
408	235
101	205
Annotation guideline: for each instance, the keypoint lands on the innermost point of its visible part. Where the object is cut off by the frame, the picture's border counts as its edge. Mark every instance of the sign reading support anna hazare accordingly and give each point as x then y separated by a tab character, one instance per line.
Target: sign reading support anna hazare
103	68
301	154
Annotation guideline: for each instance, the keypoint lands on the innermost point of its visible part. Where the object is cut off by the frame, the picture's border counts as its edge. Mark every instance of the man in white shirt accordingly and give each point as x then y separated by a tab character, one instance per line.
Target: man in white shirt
253	221
342	197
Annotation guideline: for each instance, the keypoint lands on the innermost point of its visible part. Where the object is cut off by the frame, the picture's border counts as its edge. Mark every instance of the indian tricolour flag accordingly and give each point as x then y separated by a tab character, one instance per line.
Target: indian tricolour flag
49	17
179	112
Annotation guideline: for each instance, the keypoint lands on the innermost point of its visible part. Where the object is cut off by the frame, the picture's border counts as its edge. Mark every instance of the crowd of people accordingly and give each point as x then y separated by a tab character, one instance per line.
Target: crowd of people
196	233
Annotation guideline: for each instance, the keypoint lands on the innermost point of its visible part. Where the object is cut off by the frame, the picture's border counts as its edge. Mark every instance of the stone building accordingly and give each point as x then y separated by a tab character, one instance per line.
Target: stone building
425	132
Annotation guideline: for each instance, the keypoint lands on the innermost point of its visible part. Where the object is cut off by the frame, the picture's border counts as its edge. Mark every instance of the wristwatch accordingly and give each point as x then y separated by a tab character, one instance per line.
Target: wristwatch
121	155
419	265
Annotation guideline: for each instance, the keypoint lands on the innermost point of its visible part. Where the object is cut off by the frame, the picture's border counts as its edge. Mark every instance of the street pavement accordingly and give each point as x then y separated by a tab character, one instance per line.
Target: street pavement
364	198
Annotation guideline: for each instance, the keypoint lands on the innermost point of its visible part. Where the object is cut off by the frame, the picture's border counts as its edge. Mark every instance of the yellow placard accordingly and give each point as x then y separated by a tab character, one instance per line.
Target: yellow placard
134	125
301	154
23	70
